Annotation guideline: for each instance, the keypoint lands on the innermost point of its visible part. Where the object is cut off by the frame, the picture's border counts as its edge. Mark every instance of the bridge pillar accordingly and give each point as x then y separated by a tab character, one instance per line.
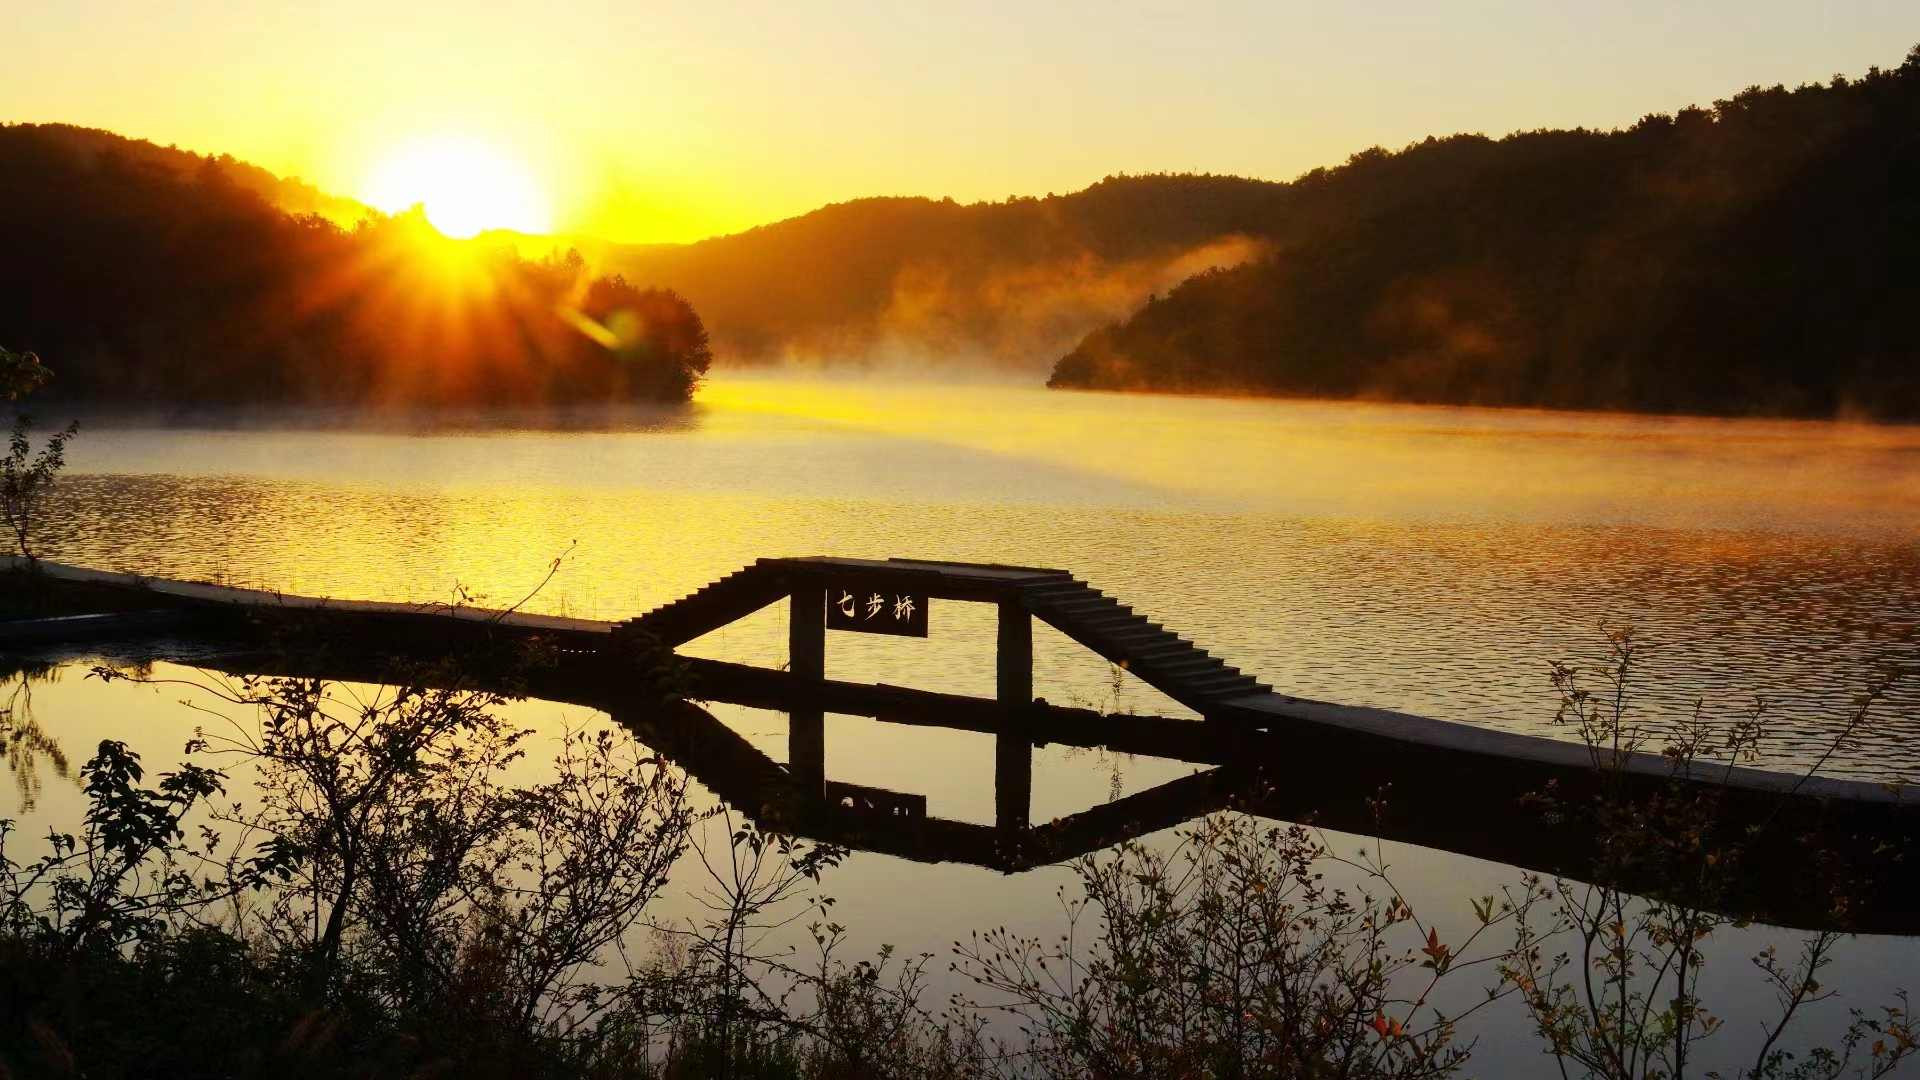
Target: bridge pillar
1012	780
1013	746
807	659
1014	660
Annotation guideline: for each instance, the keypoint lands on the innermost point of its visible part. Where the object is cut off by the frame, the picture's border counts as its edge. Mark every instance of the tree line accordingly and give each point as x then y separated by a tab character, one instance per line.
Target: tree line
1755	257
149	275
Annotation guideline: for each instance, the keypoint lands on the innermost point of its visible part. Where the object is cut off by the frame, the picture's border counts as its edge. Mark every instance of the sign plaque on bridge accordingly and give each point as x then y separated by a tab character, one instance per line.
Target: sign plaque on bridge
867	607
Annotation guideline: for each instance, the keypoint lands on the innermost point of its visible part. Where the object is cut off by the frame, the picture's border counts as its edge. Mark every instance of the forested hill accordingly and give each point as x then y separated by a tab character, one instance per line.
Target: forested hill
290	194
1758	257
138	277
1011	283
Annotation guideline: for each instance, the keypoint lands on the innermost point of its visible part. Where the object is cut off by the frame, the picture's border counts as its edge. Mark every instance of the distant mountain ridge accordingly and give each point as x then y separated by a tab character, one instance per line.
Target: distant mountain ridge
1758	257
1006	284
1009	284
291	194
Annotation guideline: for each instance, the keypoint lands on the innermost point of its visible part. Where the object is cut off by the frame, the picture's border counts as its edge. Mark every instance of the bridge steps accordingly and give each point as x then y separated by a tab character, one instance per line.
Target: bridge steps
1164	660
713	606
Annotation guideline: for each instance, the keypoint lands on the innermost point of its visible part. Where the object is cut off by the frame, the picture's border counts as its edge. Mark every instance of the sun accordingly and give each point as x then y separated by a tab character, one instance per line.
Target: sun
466	186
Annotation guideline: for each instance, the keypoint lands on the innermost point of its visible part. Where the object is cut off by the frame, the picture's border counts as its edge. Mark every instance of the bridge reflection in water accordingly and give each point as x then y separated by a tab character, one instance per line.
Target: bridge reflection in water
1445	786
1397	794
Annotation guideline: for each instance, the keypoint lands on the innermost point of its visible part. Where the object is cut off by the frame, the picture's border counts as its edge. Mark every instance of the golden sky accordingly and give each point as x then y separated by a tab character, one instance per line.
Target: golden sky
667	122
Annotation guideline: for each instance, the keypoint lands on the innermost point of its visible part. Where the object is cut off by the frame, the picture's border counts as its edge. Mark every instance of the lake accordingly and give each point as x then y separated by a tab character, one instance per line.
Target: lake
1430	560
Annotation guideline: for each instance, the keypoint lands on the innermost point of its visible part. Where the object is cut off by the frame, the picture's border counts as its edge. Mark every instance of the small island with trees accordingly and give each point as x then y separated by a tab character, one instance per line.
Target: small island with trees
161	278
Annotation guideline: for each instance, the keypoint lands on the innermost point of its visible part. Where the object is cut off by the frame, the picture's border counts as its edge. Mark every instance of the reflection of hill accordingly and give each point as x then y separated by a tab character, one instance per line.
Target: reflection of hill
1755	257
150	275
1011	283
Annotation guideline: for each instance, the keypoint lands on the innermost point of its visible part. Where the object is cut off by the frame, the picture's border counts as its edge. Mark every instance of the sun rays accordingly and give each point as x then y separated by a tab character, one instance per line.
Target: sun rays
466	186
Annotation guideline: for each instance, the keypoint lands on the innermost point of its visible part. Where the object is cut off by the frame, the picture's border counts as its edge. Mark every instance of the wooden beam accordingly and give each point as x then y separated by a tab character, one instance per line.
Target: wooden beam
1014	656
1013	745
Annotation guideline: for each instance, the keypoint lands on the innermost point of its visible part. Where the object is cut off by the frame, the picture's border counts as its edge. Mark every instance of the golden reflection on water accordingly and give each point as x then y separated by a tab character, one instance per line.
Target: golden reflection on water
1391	461
1424	559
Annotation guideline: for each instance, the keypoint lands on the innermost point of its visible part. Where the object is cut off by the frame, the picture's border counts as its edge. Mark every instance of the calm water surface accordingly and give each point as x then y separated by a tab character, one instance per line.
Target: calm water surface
1425	559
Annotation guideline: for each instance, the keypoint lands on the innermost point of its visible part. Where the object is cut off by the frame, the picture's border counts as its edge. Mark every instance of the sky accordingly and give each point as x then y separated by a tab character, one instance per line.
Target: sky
641	121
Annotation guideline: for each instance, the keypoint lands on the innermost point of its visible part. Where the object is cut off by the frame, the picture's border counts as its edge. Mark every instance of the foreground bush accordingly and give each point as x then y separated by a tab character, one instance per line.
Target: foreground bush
395	907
